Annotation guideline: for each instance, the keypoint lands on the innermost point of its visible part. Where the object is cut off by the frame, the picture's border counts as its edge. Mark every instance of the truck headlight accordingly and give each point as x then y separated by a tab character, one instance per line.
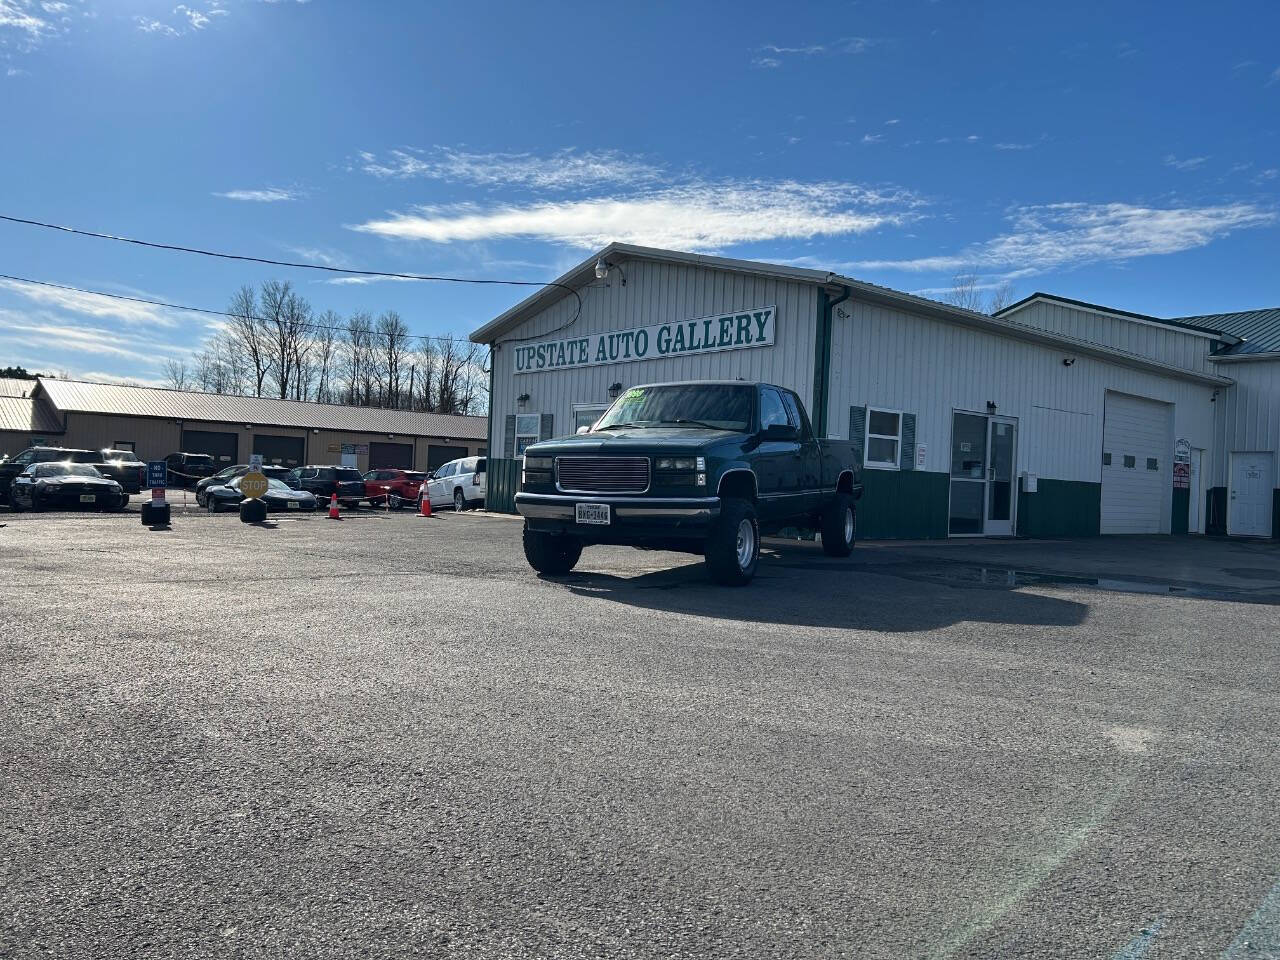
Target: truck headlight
538	463
678	463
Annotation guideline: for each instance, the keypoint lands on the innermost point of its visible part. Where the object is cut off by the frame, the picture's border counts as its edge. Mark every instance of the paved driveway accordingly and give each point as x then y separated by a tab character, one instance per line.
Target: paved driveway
387	737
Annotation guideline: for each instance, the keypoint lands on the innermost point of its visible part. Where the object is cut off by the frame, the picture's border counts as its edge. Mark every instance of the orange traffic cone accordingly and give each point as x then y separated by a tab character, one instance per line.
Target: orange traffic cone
333	507
426	506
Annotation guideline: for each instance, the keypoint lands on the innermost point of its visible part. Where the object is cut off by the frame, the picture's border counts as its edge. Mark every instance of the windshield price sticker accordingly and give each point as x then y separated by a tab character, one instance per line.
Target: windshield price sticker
729	331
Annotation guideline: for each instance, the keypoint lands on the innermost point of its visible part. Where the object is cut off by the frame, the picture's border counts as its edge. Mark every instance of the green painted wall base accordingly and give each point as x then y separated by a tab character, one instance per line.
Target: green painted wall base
1181	506
1215	517
501	484
903	505
1061	508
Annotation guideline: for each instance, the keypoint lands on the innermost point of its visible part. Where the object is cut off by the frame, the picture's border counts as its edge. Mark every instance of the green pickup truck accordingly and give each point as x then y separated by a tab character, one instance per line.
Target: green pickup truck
701	467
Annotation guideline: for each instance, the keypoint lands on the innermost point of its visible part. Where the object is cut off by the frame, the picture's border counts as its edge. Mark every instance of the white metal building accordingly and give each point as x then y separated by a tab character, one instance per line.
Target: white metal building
1053	418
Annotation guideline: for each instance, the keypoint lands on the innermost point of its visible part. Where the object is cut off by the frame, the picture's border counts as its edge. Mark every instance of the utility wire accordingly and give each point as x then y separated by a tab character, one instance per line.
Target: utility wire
308	324
295	264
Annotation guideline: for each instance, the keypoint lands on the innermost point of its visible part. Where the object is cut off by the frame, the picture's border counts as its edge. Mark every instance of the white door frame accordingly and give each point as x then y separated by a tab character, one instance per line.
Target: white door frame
1195	519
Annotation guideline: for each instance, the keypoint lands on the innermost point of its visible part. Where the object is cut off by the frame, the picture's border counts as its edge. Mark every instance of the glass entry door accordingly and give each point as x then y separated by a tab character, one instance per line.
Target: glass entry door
983	455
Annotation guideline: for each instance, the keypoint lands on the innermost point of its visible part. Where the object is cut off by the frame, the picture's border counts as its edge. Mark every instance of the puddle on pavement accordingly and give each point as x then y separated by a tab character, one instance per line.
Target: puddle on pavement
961	574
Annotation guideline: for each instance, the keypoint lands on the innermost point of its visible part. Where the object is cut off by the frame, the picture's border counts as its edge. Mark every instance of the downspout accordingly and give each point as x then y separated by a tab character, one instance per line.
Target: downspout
822	357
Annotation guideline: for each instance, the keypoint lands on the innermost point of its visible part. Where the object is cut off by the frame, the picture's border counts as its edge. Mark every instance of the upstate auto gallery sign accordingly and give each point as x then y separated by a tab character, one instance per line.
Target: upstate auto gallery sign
723	331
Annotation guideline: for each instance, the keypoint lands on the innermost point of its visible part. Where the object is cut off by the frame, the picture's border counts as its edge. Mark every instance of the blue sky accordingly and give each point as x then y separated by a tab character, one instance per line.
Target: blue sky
1121	153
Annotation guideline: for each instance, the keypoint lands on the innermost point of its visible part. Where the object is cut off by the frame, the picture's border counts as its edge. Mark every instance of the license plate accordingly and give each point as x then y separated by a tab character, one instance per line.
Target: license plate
88	498
592	513
292	505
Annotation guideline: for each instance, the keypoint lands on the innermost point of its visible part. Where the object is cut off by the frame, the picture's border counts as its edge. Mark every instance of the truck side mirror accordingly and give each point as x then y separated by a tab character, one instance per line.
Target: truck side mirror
779	431
583	429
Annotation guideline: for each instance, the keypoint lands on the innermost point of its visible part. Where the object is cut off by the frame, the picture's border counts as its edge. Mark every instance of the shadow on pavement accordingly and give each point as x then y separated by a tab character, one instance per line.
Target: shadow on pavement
799	587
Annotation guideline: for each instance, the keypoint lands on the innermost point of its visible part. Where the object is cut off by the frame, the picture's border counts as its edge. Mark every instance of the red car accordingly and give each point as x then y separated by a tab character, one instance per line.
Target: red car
393	487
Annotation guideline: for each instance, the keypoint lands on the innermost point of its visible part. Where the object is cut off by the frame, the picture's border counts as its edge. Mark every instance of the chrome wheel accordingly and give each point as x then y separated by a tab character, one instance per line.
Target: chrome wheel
746	544
459	504
848	525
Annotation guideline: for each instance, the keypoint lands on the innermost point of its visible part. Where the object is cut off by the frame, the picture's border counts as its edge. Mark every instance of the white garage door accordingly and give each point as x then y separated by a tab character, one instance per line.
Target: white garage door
1136	475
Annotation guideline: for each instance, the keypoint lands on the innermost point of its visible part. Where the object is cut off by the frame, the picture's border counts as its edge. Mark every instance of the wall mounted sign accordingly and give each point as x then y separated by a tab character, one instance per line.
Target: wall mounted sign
1182	465
723	331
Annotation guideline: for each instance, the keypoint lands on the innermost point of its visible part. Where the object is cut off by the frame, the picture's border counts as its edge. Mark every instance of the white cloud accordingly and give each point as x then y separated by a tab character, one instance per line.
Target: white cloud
699	215
1189	163
53	338
772	55
19	16
892	123
152	25
91	304
1014	146
1067	234
265	195
872	137
564	169
1275	76
766	63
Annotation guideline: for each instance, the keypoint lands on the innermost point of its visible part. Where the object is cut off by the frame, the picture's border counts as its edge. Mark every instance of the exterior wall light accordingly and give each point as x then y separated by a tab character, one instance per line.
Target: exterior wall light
522	399
991	406
614	390
603	267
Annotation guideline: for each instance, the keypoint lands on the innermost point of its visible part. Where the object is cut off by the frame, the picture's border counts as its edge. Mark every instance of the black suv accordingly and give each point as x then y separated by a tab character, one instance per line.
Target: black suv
188	469
325	481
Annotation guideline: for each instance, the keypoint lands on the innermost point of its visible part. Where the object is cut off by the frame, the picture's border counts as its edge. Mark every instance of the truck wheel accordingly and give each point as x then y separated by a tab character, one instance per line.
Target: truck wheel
733	548
550	554
838	526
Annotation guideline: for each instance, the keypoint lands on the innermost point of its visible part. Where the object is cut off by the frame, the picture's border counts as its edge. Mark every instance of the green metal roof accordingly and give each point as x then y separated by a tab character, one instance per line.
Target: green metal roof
1258	329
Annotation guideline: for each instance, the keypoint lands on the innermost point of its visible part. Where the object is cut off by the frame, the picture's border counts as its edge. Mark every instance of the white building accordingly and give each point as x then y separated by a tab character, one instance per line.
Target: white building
1052	418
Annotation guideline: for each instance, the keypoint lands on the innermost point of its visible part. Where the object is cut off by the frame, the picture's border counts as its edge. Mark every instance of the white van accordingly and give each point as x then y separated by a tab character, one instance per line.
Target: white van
458	482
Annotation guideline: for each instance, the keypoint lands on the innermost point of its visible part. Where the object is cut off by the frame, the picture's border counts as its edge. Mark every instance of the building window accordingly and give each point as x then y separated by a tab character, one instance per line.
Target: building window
1106	459
1153	463
527	427
586	414
1130	461
884	438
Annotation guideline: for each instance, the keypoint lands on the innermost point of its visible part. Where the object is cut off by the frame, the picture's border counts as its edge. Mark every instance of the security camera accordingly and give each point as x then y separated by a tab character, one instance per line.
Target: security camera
1068	361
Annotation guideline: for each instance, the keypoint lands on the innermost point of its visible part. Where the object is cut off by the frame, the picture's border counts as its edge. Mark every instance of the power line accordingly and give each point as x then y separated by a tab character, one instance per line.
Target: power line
295	264
308	324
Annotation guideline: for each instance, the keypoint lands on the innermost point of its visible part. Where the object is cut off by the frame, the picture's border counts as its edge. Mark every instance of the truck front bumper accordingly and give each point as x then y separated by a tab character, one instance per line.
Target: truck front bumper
632	520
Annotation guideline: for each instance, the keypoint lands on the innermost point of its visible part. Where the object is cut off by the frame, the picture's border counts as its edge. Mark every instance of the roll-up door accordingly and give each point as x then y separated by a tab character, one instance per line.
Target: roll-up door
221	446
280	451
390	456
1137	449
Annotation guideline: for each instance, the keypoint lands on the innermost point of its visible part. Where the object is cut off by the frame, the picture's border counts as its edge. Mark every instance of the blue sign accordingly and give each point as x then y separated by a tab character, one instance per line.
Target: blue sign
157	474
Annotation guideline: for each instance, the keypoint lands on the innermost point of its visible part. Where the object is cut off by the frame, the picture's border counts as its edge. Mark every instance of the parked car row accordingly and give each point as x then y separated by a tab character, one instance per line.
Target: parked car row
459	483
63	484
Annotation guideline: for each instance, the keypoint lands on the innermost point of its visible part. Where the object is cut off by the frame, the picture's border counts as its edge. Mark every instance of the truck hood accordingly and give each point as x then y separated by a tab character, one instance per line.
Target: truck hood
636	440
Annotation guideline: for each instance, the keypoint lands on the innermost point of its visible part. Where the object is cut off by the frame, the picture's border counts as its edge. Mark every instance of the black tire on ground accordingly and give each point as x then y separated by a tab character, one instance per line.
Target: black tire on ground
551	554
211	504
839	526
459	501
37	505
119	504
396	501
15	506
732	550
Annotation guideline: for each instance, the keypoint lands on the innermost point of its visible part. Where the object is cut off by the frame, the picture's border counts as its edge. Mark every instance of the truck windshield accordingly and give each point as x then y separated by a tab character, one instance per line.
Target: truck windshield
720	406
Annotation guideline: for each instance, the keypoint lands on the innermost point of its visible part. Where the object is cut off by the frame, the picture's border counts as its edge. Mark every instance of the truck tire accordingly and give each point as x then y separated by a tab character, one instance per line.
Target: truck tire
733	547
551	554
839	524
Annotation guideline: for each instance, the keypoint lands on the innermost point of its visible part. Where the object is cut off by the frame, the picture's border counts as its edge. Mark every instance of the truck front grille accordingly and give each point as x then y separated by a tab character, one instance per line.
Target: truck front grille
602	474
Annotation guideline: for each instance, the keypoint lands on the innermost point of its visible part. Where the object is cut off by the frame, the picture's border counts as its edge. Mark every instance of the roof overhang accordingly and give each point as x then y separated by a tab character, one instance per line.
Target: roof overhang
1246	357
584	273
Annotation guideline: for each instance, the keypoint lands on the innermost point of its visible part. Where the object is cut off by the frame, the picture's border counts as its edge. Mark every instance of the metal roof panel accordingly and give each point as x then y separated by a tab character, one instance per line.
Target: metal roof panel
81	396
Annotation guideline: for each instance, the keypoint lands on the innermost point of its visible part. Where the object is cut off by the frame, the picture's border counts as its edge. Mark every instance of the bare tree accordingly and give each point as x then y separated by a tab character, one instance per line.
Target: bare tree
250	335
966	293
390	346
325	345
286	317
176	375
422	394
355	358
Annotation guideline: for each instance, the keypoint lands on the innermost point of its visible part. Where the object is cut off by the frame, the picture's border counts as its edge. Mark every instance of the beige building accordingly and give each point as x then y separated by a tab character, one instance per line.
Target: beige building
155	422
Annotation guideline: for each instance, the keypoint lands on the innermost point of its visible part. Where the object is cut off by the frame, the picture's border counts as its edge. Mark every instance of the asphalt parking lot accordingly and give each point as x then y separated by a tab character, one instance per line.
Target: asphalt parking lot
387	737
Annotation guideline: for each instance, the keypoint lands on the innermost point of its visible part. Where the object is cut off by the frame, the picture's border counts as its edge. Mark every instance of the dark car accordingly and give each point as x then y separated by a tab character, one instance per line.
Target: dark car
188	469
62	484
12	467
230	473
702	467
122	466
324	481
279	496
394	488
